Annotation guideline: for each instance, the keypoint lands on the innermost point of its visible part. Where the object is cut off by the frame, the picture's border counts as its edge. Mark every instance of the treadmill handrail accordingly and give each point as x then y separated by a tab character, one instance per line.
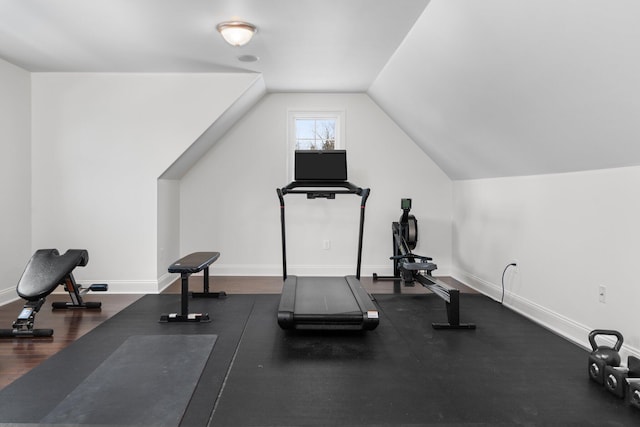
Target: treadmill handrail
298	187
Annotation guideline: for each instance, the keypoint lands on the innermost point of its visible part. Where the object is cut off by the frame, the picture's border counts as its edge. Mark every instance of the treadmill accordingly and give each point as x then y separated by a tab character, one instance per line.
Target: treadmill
324	302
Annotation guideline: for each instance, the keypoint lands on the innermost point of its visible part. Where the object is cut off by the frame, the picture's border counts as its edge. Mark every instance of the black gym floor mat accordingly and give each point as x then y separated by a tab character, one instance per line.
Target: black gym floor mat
509	371
33	396
155	374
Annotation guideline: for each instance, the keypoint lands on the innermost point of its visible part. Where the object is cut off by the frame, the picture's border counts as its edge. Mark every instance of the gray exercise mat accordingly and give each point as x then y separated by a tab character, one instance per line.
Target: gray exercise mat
148	380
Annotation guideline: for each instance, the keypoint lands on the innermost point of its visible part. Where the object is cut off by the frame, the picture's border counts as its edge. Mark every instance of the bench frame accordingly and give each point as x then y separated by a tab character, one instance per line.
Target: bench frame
186	266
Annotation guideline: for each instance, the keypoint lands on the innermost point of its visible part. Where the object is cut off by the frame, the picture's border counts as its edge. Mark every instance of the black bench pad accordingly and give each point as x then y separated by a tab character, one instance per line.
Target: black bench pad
194	262
47	269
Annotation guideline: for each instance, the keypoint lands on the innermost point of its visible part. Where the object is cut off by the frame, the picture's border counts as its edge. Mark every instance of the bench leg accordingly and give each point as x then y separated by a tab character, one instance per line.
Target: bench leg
184	315
205	293
185	294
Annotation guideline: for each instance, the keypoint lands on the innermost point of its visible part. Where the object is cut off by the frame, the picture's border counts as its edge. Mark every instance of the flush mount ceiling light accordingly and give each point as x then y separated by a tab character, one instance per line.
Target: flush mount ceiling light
236	33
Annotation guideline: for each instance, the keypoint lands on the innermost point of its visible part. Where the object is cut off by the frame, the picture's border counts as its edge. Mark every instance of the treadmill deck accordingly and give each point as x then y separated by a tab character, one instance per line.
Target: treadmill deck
326	303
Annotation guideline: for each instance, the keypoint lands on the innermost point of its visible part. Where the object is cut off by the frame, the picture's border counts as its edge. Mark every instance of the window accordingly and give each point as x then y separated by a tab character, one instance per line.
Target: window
314	130
315	134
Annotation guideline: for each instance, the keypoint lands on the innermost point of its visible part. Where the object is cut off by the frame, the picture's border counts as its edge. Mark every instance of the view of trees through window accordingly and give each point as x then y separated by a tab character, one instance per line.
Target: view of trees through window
315	134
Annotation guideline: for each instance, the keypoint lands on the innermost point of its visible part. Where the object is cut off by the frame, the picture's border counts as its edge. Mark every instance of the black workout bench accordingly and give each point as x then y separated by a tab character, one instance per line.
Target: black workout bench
186	266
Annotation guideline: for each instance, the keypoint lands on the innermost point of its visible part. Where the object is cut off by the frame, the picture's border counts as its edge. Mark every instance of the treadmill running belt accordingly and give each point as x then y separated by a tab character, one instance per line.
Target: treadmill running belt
326	303
325	295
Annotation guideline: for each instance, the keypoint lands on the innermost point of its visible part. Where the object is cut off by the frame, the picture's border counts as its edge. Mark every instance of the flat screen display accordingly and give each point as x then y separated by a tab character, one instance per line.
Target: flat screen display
317	165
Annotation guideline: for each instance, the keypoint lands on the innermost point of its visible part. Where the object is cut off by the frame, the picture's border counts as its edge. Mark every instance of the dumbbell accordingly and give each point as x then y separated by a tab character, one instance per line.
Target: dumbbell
615	377
603	356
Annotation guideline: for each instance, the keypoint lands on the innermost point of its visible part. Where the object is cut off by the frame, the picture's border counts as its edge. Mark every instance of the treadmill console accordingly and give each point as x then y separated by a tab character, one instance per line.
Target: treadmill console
321	165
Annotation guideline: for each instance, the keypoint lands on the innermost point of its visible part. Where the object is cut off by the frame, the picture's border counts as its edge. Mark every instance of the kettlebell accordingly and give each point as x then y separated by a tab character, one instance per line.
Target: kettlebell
602	356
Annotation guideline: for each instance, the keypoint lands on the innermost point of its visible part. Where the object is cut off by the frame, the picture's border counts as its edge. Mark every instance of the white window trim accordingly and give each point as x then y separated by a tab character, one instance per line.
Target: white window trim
292	115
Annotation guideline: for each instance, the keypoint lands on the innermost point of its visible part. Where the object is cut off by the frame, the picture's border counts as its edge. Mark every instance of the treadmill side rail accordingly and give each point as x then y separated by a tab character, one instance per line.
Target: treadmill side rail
287	303
370	318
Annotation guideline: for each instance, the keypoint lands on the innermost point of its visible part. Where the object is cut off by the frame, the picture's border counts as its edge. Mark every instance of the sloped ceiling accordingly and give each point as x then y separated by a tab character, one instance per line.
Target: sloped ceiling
486	88
496	88
301	45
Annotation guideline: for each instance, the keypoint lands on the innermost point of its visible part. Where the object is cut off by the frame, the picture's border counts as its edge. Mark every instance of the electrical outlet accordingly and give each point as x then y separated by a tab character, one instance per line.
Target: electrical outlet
602	294
326	245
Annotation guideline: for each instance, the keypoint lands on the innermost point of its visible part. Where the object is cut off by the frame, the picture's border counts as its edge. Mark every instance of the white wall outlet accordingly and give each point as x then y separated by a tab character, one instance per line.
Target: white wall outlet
602	293
326	245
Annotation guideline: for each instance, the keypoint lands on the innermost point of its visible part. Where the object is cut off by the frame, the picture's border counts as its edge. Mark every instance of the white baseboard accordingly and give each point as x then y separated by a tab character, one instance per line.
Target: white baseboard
166	280
8	295
120	286
269	270
245	270
306	270
549	319
131	286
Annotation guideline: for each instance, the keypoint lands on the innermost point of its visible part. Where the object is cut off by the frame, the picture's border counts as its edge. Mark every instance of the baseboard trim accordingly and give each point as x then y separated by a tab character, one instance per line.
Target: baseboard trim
120	286
299	270
557	323
8	295
166	280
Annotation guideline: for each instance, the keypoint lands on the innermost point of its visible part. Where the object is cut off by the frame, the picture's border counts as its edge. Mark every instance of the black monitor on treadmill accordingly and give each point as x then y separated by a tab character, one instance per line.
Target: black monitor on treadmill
320	165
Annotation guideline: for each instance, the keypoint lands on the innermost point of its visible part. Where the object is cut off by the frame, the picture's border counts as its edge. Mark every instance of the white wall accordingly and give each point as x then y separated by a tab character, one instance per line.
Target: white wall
15	176
570	233
229	201
168	229
169	181
100	141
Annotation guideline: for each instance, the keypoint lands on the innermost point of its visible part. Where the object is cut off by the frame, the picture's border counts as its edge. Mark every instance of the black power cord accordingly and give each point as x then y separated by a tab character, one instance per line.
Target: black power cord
513	264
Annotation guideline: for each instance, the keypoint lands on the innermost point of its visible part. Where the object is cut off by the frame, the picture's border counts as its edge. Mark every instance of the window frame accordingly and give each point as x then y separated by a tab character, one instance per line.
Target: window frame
331	114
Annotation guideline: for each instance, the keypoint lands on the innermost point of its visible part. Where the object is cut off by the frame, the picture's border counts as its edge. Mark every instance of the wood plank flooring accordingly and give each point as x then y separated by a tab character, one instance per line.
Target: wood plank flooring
273	285
19	355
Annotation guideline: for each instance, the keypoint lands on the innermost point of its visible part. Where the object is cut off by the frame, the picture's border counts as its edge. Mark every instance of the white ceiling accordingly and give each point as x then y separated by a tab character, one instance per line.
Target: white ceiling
486	88
303	45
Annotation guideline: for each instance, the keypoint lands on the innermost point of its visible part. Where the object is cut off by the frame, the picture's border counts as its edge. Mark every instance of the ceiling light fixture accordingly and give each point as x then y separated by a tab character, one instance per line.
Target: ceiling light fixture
236	33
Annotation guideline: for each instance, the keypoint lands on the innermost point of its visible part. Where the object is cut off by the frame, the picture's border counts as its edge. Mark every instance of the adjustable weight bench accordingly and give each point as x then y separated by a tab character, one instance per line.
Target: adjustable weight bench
186	266
44	272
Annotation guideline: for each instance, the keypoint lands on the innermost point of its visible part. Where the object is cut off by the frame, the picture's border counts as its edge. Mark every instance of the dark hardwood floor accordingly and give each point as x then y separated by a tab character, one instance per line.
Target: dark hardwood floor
19	355
273	285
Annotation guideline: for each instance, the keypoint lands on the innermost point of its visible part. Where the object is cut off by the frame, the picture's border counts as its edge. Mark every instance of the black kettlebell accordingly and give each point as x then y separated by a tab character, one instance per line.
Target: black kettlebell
602	356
